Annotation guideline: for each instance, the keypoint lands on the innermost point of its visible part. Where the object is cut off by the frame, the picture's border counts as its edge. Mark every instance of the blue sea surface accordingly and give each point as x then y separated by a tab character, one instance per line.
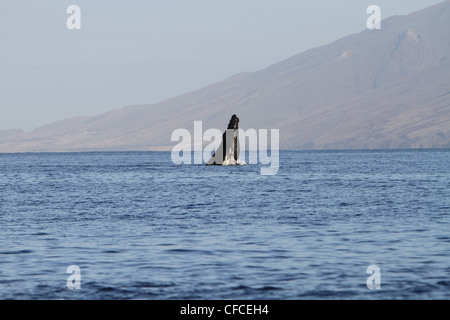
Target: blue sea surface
140	227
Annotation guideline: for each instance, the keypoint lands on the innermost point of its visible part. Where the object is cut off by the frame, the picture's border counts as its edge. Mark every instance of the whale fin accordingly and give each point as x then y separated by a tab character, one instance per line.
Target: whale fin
228	152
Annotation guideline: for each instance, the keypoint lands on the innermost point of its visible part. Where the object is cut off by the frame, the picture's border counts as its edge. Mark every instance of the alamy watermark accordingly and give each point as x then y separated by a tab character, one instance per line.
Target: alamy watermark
374	281
74	280
374	21
73	22
191	150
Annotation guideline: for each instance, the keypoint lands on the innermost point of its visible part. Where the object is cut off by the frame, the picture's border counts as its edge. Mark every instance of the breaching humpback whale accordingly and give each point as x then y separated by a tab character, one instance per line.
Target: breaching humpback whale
228	152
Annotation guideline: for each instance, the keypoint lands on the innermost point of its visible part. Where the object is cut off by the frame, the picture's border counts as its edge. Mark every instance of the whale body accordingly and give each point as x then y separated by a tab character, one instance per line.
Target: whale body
228	152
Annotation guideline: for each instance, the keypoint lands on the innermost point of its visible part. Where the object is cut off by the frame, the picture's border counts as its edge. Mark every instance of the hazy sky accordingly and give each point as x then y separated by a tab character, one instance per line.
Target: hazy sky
144	51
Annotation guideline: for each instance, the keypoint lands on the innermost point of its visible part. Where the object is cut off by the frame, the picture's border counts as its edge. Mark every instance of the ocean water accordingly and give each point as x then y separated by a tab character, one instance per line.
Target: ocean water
140	227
